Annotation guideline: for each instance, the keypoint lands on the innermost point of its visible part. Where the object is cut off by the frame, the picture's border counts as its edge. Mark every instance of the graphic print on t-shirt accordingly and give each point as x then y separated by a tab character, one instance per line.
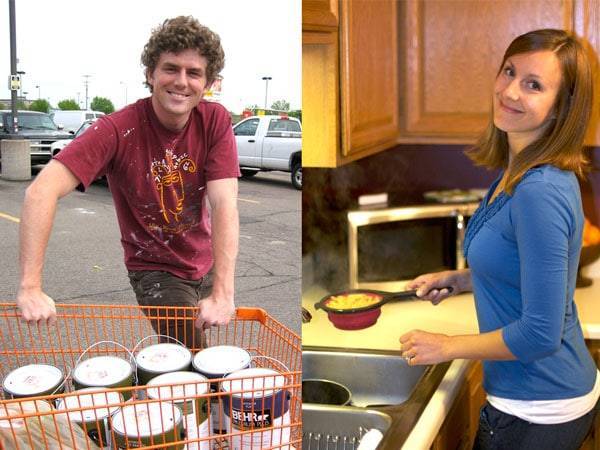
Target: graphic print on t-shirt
168	179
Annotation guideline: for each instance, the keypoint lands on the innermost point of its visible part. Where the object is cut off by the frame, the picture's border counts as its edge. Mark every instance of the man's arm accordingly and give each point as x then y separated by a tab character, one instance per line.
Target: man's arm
37	217
218	307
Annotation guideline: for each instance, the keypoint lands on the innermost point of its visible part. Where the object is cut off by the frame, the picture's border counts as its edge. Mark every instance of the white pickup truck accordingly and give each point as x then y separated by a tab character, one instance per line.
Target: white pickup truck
270	143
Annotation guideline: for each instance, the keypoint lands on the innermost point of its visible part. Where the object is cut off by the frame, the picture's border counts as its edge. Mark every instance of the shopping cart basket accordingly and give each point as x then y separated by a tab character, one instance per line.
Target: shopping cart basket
261	410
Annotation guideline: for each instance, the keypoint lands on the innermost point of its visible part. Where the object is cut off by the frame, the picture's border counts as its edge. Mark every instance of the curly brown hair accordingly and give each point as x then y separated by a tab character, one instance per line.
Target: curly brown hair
183	33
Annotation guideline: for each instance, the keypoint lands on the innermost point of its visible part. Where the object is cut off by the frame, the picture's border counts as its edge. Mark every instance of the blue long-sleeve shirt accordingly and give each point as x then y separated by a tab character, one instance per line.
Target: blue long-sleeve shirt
523	251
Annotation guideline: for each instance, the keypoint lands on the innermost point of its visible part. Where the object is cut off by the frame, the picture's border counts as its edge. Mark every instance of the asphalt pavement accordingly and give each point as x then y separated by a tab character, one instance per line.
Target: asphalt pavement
84	260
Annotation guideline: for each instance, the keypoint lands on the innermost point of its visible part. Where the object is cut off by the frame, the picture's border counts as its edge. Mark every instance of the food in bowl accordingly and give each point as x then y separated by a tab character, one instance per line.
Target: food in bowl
352	301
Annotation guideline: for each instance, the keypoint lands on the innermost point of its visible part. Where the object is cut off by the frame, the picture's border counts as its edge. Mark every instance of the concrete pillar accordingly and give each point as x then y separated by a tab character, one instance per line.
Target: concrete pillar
16	159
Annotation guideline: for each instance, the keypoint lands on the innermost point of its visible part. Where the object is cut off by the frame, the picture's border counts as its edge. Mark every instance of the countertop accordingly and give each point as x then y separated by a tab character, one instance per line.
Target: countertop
456	315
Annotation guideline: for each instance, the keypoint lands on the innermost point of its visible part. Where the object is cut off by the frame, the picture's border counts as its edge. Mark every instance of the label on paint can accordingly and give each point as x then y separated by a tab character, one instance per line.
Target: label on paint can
160	358
262	404
102	371
216	362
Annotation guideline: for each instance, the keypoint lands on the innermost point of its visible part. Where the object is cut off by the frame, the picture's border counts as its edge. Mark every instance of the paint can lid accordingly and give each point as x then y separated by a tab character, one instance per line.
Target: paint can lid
163	358
146	419
32	379
255	383
94	402
102	371
220	360
192	385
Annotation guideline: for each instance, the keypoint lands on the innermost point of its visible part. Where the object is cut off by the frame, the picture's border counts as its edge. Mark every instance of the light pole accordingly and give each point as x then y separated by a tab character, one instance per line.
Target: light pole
86	83
39	95
266	79
13	65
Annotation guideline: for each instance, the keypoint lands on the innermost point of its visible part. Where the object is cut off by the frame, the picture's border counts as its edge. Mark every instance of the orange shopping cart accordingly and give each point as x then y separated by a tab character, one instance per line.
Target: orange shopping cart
48	403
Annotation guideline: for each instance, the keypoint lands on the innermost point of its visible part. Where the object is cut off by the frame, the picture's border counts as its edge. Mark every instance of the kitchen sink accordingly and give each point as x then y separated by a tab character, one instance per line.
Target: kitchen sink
332	427
374	378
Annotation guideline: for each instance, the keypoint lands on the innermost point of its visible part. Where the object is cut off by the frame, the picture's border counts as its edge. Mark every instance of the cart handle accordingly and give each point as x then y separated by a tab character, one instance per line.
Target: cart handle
251	314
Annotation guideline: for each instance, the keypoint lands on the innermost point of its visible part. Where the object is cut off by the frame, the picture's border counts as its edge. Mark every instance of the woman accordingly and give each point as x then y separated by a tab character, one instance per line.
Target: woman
523	246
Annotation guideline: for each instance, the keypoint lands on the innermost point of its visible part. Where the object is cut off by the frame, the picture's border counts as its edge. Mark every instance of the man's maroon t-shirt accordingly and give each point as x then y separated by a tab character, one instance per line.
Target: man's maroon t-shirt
158	178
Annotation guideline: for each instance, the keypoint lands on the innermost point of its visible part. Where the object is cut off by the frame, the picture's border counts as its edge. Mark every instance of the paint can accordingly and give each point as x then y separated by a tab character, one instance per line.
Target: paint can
157	359
96	411
217	362
144	424
33	380
258	402
190	397
104	372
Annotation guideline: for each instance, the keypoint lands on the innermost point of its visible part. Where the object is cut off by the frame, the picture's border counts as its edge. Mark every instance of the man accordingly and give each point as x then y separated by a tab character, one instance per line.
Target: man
163	157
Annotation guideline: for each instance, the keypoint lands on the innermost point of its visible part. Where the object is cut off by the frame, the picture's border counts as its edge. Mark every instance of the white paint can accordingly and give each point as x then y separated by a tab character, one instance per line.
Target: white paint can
96	409
104	371
33	380
157	359
190	397
145	424
217	362
258	402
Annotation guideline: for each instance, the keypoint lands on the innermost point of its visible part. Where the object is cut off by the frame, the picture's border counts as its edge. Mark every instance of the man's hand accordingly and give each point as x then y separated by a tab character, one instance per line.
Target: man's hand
213	311
36	307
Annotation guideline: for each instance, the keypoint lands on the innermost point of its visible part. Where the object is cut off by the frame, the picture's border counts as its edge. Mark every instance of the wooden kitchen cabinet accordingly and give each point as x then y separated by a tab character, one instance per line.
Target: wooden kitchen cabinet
358	98
450	54
417	71
459	429
369	77
587	24
319	15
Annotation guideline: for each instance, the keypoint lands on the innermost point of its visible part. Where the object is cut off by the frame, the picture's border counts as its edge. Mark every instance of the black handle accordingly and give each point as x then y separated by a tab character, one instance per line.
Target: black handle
405	295
251	140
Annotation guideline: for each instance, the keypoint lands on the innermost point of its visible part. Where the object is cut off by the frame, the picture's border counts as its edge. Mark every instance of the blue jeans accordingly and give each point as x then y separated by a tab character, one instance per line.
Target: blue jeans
499	431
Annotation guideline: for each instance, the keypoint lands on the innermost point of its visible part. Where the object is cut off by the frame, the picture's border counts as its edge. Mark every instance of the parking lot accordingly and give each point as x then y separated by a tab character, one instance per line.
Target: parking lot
84	261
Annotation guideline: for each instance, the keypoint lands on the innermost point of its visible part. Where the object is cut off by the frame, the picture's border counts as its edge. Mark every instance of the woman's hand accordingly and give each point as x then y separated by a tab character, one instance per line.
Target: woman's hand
434	286
420	347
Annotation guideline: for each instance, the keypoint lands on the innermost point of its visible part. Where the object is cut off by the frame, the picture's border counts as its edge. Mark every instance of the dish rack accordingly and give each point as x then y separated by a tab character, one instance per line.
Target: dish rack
35	422
320	441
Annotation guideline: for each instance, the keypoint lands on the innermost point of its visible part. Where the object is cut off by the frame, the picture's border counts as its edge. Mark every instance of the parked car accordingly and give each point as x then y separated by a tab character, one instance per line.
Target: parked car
57	146
270	143
72	120
36	127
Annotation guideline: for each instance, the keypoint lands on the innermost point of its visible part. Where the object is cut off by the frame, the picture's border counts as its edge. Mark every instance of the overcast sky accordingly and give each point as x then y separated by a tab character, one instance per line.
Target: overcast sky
59	41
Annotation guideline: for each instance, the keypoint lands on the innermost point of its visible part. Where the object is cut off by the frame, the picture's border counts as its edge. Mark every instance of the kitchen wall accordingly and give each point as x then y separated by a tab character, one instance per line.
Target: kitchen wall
404	172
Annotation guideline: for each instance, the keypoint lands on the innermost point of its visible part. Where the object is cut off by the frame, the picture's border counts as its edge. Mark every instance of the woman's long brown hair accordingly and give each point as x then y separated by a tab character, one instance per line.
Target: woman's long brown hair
561	143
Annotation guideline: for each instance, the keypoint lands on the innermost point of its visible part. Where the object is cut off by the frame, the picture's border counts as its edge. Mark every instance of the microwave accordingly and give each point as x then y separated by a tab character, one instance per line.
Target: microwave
390	246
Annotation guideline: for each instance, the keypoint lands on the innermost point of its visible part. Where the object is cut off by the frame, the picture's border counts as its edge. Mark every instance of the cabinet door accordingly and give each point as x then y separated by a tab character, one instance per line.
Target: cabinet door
587	25
451	51
369	76
319	14
320	129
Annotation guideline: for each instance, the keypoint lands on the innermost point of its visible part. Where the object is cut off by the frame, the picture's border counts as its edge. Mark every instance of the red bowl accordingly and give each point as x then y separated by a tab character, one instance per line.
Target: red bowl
354	321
